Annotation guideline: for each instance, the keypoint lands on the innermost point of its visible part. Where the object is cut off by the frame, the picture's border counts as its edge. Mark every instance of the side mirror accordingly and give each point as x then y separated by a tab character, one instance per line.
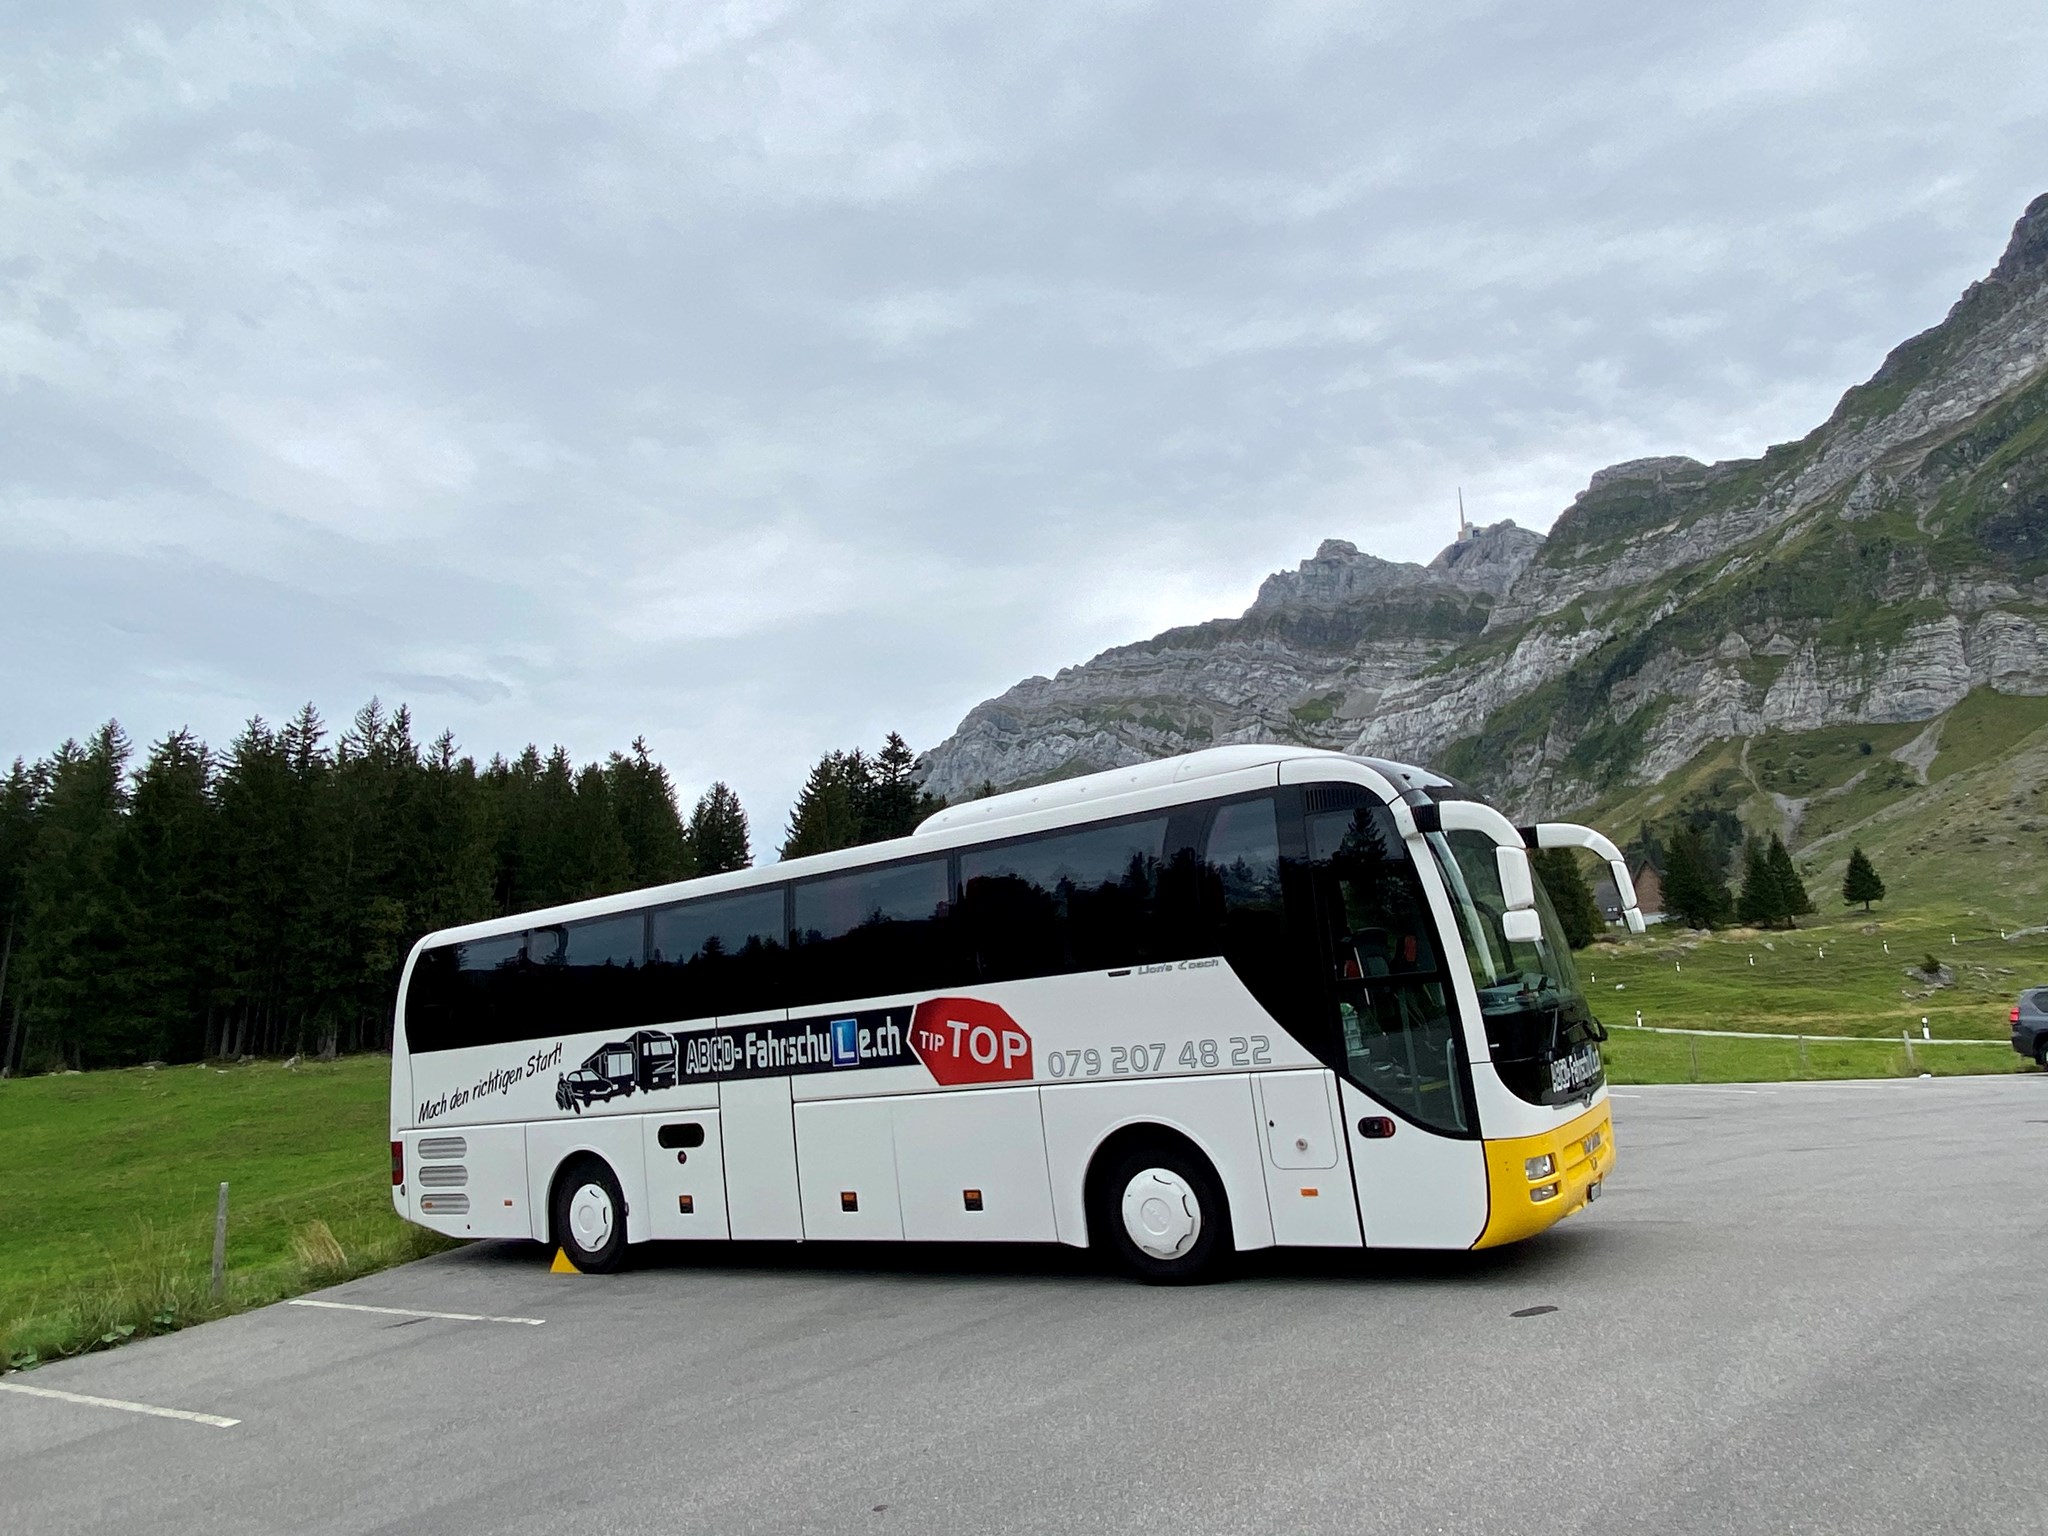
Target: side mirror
1517	884
1521	926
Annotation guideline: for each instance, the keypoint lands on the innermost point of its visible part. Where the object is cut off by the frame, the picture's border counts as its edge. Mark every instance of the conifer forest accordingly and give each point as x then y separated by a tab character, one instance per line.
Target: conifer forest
180	902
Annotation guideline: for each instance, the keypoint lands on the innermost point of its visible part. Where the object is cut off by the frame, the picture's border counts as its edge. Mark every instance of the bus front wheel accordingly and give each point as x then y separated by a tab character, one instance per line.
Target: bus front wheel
1160	1209
588	1216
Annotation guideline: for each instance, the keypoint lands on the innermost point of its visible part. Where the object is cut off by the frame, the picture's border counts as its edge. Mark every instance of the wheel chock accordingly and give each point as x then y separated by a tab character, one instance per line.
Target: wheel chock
563	1265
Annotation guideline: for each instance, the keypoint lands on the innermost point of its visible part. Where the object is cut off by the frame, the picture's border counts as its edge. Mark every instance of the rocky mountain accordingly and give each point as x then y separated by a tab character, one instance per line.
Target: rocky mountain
1308	662
1872	574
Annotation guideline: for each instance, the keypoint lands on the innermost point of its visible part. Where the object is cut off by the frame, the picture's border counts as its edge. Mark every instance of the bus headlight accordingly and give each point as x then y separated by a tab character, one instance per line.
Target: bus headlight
1539	1167
1543	1192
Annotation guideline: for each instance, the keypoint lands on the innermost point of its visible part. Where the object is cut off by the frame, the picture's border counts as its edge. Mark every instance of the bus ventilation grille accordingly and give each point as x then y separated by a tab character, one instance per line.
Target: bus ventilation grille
443	1175
1334	797
442	1146
445	1205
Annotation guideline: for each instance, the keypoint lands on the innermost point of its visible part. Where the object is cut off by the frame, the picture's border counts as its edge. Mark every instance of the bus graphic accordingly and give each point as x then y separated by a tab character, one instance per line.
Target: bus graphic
643	1061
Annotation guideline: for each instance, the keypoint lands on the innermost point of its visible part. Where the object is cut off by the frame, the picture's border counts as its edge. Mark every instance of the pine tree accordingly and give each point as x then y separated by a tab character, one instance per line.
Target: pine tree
1860	882
827	810
77	984
891	803
602	864
1760	903
168	869
1792	900
20	794
1695	887
1565	882
718	832
644	802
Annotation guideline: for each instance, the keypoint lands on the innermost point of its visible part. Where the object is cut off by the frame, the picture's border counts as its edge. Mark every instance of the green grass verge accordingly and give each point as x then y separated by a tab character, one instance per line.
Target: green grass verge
1830	976
1646	1057
107	1221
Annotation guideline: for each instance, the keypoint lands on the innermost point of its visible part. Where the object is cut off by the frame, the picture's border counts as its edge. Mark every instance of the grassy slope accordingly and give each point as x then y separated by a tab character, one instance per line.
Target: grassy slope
1829	977
1970	841
107	1219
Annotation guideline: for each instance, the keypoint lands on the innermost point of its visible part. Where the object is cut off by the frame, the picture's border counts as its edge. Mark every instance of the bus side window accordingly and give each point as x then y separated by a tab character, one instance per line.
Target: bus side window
588	973
1398	1039
720	954
1243	856
1058	903
873	932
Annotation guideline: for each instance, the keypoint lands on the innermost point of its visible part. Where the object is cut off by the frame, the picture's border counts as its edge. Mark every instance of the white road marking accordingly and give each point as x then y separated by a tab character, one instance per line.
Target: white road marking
114	1402
1717	1088
453	1317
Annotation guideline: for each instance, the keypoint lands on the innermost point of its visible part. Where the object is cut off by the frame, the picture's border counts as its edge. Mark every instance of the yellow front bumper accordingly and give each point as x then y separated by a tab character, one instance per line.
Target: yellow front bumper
1514	1214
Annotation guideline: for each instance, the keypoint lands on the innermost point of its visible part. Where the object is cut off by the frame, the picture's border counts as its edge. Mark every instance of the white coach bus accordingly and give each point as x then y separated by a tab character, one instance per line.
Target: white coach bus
1252	996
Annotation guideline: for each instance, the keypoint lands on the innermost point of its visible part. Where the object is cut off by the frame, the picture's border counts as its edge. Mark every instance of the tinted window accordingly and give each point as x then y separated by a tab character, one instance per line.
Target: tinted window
874	931
1068	901
616	942
1398	1038
476	993
580	976
1246	916
1243	854
720	955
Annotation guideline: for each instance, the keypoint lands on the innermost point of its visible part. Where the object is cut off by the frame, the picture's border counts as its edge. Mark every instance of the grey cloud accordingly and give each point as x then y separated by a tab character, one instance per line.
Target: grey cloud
763	377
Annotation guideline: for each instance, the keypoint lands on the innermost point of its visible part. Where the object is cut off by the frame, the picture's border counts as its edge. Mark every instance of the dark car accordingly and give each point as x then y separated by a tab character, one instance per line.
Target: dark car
575	1089
2030	1024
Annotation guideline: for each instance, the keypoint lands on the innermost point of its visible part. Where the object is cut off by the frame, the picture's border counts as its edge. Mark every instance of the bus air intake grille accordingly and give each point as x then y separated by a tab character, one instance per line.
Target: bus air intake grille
442	1146
443	1175
1335	797
445	1205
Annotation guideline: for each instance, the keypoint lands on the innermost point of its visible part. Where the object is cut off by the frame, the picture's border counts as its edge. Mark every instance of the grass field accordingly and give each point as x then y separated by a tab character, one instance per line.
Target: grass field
106	1217
1833	975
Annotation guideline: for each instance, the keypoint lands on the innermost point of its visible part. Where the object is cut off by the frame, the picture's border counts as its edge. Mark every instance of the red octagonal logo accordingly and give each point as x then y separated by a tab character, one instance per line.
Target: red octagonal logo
965	1040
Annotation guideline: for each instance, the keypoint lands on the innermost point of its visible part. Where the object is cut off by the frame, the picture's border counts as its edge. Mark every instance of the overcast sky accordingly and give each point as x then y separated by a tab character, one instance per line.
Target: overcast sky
762	377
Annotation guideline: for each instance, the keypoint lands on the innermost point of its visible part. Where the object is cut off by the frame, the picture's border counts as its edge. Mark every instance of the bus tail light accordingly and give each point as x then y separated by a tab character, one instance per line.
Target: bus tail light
397	1164
2015	1013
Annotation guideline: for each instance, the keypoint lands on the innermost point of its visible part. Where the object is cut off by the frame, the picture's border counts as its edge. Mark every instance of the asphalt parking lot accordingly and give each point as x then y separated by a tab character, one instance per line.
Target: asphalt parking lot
1813	1307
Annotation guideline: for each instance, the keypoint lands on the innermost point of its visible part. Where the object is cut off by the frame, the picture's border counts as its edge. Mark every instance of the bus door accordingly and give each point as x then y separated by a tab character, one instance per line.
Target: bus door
758	1121
1405	1087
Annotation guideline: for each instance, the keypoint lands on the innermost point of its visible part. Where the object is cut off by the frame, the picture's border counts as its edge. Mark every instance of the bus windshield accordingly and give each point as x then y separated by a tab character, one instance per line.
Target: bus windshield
1539	1029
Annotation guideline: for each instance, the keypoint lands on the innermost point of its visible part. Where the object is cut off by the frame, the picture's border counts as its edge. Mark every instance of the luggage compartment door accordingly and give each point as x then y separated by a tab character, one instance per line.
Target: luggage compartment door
686	1175
971	1166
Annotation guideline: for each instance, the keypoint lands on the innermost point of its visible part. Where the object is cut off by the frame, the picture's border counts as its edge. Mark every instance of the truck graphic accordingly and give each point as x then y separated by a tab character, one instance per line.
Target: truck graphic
642	1062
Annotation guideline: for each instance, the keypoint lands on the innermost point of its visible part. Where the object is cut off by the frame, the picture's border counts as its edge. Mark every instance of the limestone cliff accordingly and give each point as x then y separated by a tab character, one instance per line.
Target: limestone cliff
1874	572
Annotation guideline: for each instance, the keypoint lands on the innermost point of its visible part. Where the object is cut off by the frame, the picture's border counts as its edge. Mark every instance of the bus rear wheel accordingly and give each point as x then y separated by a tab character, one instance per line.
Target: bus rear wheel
1160	1209
588	1216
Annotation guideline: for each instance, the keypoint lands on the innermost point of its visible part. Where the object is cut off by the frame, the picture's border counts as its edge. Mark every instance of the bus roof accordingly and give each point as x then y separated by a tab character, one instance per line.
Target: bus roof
953	826
1061	793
